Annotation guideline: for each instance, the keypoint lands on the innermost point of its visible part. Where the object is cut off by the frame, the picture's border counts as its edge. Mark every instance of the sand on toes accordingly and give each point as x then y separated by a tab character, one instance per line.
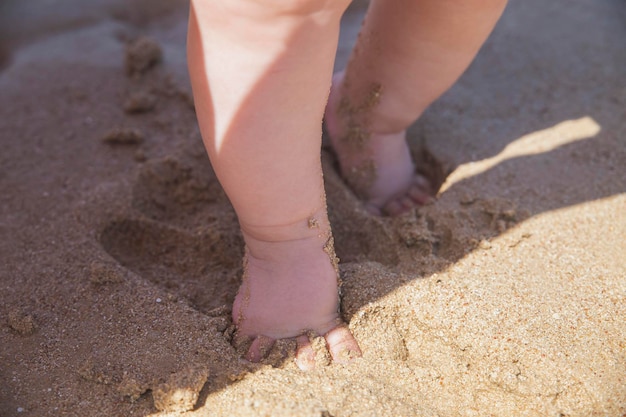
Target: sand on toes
290	289
378	167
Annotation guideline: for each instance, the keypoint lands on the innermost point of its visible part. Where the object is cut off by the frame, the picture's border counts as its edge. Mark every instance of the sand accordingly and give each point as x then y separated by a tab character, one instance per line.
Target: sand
120	253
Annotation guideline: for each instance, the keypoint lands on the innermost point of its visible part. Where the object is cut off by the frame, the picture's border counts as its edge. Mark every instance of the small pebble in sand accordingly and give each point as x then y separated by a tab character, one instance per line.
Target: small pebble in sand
141	55
123	136
101	273
130	387
22	323
318	344
140	102
181	391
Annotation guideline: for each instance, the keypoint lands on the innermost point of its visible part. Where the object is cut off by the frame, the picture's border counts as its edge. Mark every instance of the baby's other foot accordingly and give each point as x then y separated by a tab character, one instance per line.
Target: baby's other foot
290	290
377	166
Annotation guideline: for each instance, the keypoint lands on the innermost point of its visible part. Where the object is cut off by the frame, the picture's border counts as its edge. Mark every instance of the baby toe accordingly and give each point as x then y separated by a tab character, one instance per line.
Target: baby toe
418	195
259	348
342	345
393	208
407	203
305	355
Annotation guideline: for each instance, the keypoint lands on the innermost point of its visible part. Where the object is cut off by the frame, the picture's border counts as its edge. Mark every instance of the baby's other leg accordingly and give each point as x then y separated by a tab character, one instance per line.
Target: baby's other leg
408	53
261	72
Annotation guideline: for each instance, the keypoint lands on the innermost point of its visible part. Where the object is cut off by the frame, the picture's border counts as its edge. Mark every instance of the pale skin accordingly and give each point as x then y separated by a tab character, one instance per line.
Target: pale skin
261	72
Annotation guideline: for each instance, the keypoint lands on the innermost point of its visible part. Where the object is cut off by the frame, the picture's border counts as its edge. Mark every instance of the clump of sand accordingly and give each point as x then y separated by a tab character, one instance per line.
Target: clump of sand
141	55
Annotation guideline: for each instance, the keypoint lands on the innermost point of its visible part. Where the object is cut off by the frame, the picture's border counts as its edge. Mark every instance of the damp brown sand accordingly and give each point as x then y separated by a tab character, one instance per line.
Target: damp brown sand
505	297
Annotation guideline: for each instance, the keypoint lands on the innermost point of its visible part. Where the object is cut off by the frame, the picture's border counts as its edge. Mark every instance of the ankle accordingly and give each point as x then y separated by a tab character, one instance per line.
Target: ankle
316	225
368	108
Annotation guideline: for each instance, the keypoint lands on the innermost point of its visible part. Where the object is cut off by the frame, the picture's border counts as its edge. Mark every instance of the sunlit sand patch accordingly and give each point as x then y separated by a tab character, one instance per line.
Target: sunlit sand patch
538	142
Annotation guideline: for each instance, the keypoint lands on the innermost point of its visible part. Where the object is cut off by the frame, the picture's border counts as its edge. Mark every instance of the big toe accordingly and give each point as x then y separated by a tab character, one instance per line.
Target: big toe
342	345
339	344
421	190
305	354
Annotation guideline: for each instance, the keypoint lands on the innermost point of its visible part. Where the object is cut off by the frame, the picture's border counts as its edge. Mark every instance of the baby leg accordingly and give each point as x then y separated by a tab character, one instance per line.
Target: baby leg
261	72
408	53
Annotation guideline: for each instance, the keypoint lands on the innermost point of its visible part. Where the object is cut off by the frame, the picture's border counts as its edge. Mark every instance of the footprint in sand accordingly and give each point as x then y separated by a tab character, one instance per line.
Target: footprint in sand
181	233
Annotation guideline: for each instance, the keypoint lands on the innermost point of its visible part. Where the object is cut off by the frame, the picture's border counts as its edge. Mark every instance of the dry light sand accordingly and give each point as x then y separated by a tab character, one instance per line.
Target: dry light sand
120	255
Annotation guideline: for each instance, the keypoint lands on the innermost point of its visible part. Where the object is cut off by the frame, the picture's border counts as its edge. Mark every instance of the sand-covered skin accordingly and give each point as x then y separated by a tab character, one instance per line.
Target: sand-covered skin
120	257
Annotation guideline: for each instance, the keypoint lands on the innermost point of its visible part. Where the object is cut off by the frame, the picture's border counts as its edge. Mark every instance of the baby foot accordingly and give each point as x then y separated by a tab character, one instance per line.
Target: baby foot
377	166
290	290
